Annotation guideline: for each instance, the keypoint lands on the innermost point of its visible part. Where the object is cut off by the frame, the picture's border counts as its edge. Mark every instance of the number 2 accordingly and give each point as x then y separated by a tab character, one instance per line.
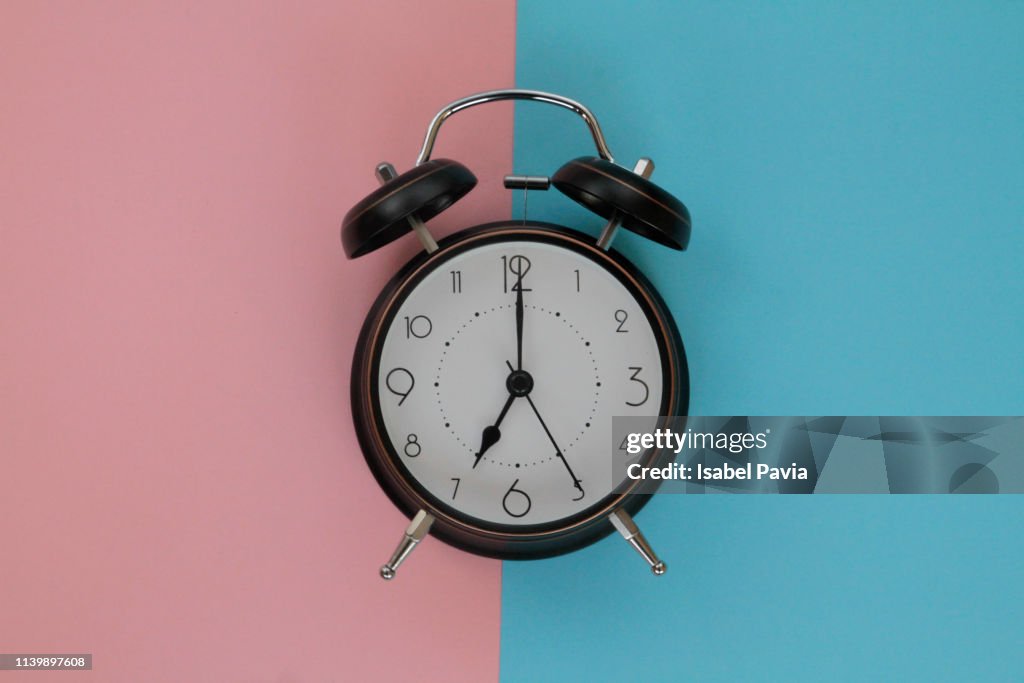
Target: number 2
620	317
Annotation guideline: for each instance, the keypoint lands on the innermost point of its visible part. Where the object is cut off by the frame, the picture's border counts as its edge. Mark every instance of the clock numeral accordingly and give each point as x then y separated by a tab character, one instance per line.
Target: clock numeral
620	317
412	446
519	266
418	326
647	389
519	504
579	487
456	480
456	281
400	383
577	271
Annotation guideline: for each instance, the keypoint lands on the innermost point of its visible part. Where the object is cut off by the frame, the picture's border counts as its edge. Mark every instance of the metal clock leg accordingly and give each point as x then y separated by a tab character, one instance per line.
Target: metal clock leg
625	525
417	529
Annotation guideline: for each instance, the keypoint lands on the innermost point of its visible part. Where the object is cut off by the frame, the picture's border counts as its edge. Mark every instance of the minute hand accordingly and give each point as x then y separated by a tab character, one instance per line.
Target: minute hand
558	451
519	322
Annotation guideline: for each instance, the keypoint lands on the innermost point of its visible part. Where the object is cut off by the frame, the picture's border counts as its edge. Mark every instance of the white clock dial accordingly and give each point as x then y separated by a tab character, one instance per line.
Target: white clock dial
445	363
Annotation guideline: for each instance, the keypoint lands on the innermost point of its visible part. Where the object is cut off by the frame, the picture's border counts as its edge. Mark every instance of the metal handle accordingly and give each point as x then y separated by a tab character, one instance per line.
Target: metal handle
512	94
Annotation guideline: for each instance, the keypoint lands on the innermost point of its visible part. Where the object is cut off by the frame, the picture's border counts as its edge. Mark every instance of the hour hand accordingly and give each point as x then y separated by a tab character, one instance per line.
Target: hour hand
492	433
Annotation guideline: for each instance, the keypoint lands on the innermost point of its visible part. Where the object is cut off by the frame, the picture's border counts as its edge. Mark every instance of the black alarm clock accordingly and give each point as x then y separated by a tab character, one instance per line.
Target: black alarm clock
488	370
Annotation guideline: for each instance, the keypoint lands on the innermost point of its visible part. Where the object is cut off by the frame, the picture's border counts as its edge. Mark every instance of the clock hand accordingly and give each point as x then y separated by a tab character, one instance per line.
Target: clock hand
558	451
519	321
576	481
491	433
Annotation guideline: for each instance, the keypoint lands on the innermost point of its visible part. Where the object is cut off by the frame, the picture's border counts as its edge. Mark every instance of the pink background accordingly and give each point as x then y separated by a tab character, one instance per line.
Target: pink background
182	494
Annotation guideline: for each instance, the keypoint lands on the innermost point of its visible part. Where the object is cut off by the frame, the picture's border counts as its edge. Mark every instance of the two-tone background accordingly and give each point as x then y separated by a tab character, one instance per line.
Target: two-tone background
181	492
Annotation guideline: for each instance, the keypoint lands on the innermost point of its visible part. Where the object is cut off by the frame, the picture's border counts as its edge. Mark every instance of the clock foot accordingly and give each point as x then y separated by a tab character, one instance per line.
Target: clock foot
386	172
625	525
644	168
417	529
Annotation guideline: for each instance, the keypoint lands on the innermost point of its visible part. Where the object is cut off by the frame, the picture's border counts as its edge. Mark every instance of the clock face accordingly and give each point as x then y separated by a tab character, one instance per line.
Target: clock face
495	441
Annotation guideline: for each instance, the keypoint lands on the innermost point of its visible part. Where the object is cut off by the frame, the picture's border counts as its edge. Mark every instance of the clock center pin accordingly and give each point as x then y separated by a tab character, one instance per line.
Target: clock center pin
519	383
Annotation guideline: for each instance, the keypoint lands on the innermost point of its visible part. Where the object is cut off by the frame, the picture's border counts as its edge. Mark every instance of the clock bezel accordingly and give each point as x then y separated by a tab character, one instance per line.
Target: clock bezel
452	525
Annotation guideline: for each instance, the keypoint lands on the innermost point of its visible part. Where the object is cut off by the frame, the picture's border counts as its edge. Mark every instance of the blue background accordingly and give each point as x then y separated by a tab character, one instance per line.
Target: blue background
854	172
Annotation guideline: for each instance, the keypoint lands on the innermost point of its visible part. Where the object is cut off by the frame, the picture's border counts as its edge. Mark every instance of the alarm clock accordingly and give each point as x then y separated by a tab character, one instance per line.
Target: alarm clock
488	370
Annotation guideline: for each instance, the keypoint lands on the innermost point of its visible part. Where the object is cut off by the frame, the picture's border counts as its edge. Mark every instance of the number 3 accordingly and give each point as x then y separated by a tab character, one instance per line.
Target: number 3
647	389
